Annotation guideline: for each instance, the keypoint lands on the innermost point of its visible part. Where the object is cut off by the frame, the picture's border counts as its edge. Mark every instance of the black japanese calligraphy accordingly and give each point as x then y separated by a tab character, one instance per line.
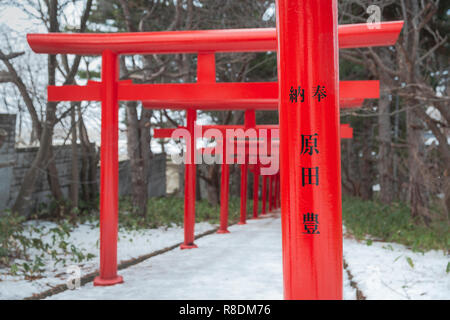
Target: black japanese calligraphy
310	176
319	92
294	94
311	223
309	144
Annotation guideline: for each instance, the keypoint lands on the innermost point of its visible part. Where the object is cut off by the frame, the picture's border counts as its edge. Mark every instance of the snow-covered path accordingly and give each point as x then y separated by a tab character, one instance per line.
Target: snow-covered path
245	264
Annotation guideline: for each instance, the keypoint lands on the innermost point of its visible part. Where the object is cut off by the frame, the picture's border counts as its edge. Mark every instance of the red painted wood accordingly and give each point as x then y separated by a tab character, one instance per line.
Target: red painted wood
255	193
270	193
224	193
350	103
243	199
312	263
189	184
346	131
109	172
206	95
230	40
264	194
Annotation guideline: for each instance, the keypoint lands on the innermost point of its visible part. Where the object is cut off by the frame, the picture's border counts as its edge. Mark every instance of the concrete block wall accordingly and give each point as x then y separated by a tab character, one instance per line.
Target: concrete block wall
14	163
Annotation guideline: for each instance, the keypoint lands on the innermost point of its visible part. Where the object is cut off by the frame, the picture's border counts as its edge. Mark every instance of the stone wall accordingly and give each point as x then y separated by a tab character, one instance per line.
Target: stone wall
157	177
14	163
7	156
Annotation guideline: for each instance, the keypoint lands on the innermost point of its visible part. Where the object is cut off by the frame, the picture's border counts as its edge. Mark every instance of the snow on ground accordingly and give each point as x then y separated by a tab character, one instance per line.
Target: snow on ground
244	264
132	244
382	271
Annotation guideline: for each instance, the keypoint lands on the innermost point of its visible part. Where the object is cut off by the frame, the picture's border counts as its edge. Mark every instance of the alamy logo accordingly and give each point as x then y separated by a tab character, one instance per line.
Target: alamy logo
234	146
374	20
73	281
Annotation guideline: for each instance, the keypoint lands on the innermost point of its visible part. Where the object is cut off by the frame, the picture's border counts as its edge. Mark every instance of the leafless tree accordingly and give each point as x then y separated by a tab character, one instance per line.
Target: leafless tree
47	12
413	70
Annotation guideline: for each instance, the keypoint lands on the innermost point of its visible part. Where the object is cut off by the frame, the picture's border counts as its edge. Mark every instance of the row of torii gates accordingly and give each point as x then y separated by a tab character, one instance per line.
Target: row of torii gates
307	96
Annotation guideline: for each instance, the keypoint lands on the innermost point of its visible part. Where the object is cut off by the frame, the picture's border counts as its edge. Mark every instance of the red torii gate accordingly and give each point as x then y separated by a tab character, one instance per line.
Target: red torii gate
256	170
308	273
346	132
181	98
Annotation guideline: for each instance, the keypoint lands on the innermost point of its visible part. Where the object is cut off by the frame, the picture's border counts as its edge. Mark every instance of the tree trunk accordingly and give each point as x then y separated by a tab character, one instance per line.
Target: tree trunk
384	149
138	139
366	180
52	172
213	194
89	164
24	197
417	196
43	129
418	199
44	153
53	176
74	185
446	190
198	193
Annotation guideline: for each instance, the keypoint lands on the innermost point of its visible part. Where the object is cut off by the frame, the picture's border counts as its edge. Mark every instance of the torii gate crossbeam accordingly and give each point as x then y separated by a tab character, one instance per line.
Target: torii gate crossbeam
231	40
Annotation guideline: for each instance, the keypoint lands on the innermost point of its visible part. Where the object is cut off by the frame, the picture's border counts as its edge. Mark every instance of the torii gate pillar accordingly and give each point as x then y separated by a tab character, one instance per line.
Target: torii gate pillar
224	192
308	57
255	193
270	193
264	194
109	172
189	184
